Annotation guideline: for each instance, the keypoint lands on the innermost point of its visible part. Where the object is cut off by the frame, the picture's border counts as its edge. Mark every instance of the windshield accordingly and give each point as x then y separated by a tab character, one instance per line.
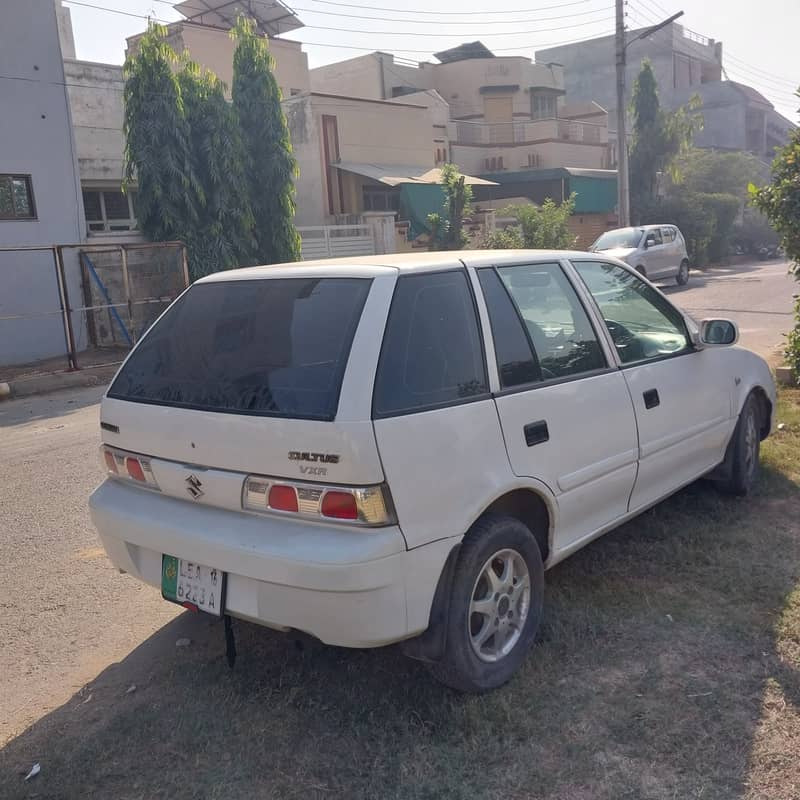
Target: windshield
275	347
623	238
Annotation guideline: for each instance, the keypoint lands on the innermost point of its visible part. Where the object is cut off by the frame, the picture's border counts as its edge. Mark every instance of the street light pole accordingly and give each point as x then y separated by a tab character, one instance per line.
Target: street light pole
623	182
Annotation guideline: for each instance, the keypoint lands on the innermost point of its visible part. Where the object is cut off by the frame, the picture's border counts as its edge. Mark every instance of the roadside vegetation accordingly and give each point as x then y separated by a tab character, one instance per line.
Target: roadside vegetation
780	201
668	667
214	174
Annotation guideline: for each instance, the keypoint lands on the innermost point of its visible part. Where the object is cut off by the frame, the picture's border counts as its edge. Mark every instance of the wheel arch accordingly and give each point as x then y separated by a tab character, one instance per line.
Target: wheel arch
532	509
766	409
529	504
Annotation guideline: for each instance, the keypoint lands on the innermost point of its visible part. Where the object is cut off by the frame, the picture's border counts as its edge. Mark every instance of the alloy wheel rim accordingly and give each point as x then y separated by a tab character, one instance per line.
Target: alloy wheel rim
499	605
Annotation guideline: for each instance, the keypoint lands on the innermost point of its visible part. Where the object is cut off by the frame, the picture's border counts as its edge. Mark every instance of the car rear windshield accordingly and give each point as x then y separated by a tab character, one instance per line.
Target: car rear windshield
274	347
624	237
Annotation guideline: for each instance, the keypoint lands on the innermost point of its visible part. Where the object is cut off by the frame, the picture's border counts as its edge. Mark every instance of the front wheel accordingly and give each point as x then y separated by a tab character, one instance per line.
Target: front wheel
496	605
682	277
746	444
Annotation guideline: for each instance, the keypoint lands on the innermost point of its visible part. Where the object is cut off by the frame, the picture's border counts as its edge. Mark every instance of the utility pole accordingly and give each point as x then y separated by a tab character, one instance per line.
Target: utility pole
623	182
623	186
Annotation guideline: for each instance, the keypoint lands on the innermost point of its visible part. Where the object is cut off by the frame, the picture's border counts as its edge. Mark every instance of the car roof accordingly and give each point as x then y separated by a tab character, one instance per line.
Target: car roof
373	266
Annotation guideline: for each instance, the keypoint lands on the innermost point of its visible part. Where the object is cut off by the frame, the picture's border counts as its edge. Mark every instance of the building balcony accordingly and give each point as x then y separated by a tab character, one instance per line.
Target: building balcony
526	132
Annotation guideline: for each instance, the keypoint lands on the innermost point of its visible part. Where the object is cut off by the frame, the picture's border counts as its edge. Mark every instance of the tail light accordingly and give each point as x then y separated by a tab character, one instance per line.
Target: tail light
367	506
130	466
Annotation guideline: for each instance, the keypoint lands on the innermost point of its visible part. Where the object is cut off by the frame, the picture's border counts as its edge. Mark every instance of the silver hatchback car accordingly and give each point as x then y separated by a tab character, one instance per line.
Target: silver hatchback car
655	251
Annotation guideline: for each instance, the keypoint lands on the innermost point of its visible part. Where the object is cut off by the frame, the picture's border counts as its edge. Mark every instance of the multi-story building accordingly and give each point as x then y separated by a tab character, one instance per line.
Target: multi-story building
505	113
736	117
40	201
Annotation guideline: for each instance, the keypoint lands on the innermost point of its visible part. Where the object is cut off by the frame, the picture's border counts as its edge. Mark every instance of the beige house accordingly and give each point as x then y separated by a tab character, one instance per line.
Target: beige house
213	48
354	154
505	113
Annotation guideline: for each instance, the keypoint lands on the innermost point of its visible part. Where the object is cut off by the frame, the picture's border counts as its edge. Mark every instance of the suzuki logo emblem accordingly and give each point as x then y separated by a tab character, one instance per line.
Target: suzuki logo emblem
193	485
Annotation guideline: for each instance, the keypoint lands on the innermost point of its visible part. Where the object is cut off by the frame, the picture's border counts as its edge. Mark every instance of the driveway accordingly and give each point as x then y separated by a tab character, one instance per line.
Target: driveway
758	297
66	613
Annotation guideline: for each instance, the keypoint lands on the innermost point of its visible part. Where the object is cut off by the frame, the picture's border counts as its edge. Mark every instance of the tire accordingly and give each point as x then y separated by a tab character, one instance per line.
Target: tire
641	270
682	278
746	448
474	661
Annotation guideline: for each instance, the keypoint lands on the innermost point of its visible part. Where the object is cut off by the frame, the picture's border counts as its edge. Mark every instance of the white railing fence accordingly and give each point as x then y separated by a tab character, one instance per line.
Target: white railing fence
334	241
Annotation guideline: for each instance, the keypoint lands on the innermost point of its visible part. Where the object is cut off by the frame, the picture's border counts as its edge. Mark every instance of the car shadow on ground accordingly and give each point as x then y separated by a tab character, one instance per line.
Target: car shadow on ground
699	278
656	657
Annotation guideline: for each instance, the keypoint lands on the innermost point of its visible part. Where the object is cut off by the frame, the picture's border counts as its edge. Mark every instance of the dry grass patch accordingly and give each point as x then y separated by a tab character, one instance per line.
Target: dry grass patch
668	666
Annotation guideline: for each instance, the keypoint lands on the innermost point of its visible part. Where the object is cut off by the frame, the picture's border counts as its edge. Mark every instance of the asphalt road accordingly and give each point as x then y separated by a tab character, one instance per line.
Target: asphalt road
66	614
758	297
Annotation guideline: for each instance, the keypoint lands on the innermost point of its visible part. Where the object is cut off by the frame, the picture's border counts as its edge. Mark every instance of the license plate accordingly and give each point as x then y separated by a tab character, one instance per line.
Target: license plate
193	585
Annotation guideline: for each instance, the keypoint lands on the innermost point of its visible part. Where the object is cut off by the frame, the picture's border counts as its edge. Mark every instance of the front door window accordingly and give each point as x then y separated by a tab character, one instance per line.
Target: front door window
642	323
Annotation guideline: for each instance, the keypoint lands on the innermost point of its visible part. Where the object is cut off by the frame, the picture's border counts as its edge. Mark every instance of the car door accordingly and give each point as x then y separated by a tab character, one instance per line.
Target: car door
654	255
565	411
682	396
672	260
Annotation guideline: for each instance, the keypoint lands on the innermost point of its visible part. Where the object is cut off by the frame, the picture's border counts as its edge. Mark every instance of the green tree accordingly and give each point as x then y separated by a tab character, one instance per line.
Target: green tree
780	201
544	227
157	148
447	228
223	237
716	171
659	137
270	165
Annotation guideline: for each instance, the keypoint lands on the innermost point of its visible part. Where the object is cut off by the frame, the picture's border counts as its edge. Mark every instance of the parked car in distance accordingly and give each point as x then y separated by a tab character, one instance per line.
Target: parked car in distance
395	448
656	251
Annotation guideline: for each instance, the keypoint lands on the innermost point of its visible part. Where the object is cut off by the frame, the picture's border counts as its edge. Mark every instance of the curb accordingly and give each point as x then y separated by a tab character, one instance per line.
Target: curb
785	376
55	381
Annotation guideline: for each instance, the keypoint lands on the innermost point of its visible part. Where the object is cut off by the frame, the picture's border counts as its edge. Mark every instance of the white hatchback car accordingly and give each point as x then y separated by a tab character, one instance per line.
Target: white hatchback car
656	251
394	448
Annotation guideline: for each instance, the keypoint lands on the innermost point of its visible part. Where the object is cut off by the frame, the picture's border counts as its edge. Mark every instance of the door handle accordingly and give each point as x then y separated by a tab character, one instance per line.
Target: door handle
536	433
651	398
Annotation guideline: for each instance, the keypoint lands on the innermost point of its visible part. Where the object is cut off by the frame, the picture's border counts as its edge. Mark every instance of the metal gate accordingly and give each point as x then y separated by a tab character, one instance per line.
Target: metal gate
80	305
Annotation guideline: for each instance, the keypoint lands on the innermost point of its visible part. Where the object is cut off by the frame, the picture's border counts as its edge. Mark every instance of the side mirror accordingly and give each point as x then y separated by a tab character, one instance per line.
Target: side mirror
719	332
649	242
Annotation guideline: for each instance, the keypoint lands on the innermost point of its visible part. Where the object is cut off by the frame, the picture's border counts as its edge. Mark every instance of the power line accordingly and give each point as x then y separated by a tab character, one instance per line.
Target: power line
779	78
451	13
116	11
459	35
382	33
481	22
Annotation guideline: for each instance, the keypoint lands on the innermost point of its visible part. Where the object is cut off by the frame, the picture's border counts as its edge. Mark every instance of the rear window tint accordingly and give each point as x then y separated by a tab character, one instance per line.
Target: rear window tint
275	347
432	354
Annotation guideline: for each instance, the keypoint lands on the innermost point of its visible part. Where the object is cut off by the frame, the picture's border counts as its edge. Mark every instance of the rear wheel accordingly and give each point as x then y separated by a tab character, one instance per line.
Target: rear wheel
496	605
682	277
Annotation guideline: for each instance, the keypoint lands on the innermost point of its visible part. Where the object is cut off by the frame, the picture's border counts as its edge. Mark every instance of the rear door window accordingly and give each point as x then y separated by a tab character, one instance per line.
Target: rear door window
516	363
557	324
432	354
274	347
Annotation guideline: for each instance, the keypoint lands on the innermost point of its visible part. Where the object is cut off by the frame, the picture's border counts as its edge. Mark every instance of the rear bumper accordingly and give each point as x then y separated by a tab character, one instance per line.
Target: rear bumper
352	588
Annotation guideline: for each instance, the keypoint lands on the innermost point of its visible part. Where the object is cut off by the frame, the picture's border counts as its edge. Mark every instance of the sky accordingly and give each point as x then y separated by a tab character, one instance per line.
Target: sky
759	39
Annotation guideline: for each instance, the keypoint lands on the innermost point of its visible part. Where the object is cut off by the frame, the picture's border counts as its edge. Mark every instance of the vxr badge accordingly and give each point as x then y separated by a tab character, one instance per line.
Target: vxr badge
193	485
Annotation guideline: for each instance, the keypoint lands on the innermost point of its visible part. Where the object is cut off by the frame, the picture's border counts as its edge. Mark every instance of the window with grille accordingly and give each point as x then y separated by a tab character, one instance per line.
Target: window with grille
381	198
109	210
543	106
16	197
